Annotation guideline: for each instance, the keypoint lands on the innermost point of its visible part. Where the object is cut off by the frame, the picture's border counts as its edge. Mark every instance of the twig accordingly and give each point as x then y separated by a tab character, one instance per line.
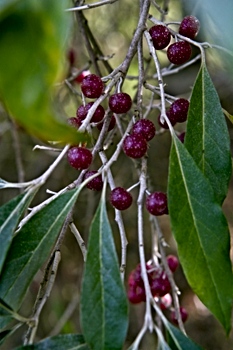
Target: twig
90	6
79	239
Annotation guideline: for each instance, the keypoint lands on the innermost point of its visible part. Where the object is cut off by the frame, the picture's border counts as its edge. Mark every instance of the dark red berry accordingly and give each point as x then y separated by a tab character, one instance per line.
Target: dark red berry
179	110
111	124
92	86
79	157
136	295
81	76
135	146
179	53
173	262
95	184
165	301
160	285
160	36
189	27
120	198
183	314
156	203
181	137
145	128
74	122
83	110
120	103
164	123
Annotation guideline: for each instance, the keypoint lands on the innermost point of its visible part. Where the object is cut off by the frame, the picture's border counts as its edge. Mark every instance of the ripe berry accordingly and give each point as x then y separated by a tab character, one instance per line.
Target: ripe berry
179	110
83	110
164	123
160	36
156	203
95	184
120	103
79	157
74	122
160	285
92	86
181	137
136	295
179	53
183	314
81	76
111	124
173	262
120	198
135	146
189	27
145	128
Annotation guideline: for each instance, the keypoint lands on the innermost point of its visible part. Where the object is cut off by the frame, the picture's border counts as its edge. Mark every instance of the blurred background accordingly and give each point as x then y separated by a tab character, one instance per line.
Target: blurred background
113	26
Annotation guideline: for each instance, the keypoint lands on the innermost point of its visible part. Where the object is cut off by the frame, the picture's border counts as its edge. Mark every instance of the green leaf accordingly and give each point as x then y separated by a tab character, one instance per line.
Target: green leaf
207	138
31	247
178	341
32	48
201	233
8	332
10	214
58	342
103	301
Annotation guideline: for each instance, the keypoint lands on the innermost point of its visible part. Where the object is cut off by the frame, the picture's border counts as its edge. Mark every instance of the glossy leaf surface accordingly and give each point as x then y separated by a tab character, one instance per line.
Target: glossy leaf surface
207	138
31	247
202	234
103	300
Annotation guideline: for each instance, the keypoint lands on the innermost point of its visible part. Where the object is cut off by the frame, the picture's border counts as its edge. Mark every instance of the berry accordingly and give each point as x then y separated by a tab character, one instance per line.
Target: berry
95	184
92	86
160	285
74	122
111	124
179	110
181	137
165	301
179	53
136	295
156	203
135	146
145	128
83	110
160	36
120	103
189	27
79	157
164	123
120	198
173	262
183	314
81	76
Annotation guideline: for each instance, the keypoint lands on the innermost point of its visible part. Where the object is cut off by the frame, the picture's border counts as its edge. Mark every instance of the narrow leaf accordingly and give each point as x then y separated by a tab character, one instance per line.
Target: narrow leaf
207	138
31	247
103	300
178	341
202	234
58	342
10	214
8	332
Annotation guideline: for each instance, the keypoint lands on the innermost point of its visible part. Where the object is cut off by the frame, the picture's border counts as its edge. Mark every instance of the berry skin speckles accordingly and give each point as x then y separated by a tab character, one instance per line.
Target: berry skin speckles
179	53
79	157
135	146
189	27
120	103
120	198
92	86
160	36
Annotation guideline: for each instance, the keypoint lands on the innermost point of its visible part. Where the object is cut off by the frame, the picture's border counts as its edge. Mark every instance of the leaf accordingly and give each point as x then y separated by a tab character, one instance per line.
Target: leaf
178	341
32	47
103	301
10	214
162	345
31	247
207	138
8	332
201	233
58	342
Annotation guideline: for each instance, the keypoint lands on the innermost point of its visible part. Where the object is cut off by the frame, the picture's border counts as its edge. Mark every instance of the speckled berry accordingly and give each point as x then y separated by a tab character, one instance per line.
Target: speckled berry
120	198
179	110
160	36
156	203
160	285
145	128
179	52
92	86
135	146
189	27
163	123
95	184
120	103
183	315
74	122
79	157
173	262
83	110
111	124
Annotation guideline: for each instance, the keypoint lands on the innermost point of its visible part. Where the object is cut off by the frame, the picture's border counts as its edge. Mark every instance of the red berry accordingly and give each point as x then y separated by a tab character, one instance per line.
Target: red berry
81	76
183	314
95	184
173	262
179	110
181	137
164	123
179	53
111	124
79	157
145	128
136	295
156	203
160	285
135	146
160	36
74	122
120	198
120	103
189	27
92	86
83	110
165	301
